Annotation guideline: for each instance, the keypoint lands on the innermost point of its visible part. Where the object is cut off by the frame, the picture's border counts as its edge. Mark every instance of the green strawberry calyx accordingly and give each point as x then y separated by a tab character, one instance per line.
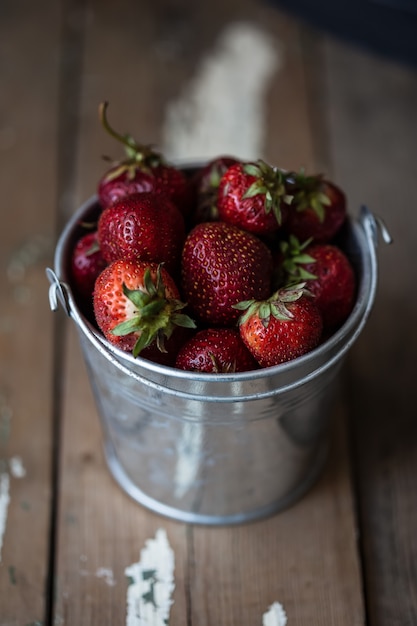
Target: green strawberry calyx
216	173
138	156
222	368
95	247
276	305
270	182
155	317
308	193
294	257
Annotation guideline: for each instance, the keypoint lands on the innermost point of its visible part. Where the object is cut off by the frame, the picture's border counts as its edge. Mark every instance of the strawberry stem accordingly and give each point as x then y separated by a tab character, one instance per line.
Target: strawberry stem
138	155
128	141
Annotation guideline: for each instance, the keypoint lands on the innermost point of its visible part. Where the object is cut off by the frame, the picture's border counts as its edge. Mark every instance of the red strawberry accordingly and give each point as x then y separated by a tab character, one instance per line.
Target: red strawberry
206	186
254	197
222	265
282	328
318	209
86	264
333	285
143	170
142	226
328	273
215	350
137	305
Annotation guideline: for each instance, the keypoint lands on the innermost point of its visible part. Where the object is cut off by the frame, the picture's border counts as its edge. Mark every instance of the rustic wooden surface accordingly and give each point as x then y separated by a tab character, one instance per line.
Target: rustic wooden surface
345	554
28	130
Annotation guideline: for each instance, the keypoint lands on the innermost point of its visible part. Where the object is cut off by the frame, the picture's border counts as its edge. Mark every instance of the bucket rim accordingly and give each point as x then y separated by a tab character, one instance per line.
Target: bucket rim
365	228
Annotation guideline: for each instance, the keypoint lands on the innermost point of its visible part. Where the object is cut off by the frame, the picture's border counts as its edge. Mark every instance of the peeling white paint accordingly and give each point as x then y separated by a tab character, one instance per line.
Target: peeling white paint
4	505
222	111
275	616
107	574
151	584
17	468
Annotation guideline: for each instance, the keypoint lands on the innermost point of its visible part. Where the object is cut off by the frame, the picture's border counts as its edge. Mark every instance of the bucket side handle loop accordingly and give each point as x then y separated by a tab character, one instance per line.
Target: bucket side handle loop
374	226
58	292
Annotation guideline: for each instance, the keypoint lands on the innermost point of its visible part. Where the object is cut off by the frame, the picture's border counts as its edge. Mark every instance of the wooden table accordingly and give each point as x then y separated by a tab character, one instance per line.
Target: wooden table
346	553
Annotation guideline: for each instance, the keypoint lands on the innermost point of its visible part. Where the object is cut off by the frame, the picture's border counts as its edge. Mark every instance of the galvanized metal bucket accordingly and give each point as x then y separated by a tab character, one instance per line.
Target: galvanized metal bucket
219	448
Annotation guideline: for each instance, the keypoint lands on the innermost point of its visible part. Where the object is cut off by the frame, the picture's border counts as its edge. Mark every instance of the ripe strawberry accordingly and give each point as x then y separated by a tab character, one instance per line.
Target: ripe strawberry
332	281
136	305
206	186
142	226
222	265
254	197
282	328
86	264
318	209
143	170
215	350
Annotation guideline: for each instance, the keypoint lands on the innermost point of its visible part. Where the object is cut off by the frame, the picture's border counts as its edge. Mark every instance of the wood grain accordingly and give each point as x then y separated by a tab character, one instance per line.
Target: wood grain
373	124
100	528
28	182
346	553
305	558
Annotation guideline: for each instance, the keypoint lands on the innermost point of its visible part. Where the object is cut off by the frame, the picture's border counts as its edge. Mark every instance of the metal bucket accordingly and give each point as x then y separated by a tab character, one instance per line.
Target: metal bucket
218	448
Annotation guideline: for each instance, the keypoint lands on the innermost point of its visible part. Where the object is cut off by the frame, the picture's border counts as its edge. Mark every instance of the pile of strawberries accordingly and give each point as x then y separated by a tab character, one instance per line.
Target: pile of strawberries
230	267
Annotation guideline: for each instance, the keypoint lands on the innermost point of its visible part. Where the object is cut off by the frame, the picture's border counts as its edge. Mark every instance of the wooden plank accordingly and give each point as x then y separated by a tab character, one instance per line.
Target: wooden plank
27	152
102	531
223	576
304	558
373	118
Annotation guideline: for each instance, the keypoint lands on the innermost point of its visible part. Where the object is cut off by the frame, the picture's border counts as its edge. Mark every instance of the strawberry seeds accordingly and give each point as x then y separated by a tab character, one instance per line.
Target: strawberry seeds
229	268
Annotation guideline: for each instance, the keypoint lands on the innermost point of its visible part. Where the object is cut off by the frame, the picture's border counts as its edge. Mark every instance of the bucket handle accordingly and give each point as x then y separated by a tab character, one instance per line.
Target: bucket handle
374	226
60	292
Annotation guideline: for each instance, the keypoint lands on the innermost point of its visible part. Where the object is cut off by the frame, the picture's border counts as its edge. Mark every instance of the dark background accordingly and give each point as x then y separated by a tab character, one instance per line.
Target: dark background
388	27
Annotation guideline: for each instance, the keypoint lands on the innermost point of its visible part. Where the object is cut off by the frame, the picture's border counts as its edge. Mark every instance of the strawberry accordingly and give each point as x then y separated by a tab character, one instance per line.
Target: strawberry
136	305
254	197
143	170
282	328
206	186
86	264
143	226
318	209
222	265
215	350
329	277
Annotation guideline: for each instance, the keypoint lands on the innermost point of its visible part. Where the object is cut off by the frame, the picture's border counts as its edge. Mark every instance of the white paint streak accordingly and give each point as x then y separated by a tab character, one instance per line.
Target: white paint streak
275	616
189	458
17	468
222	109
4	505
107	574
149	595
